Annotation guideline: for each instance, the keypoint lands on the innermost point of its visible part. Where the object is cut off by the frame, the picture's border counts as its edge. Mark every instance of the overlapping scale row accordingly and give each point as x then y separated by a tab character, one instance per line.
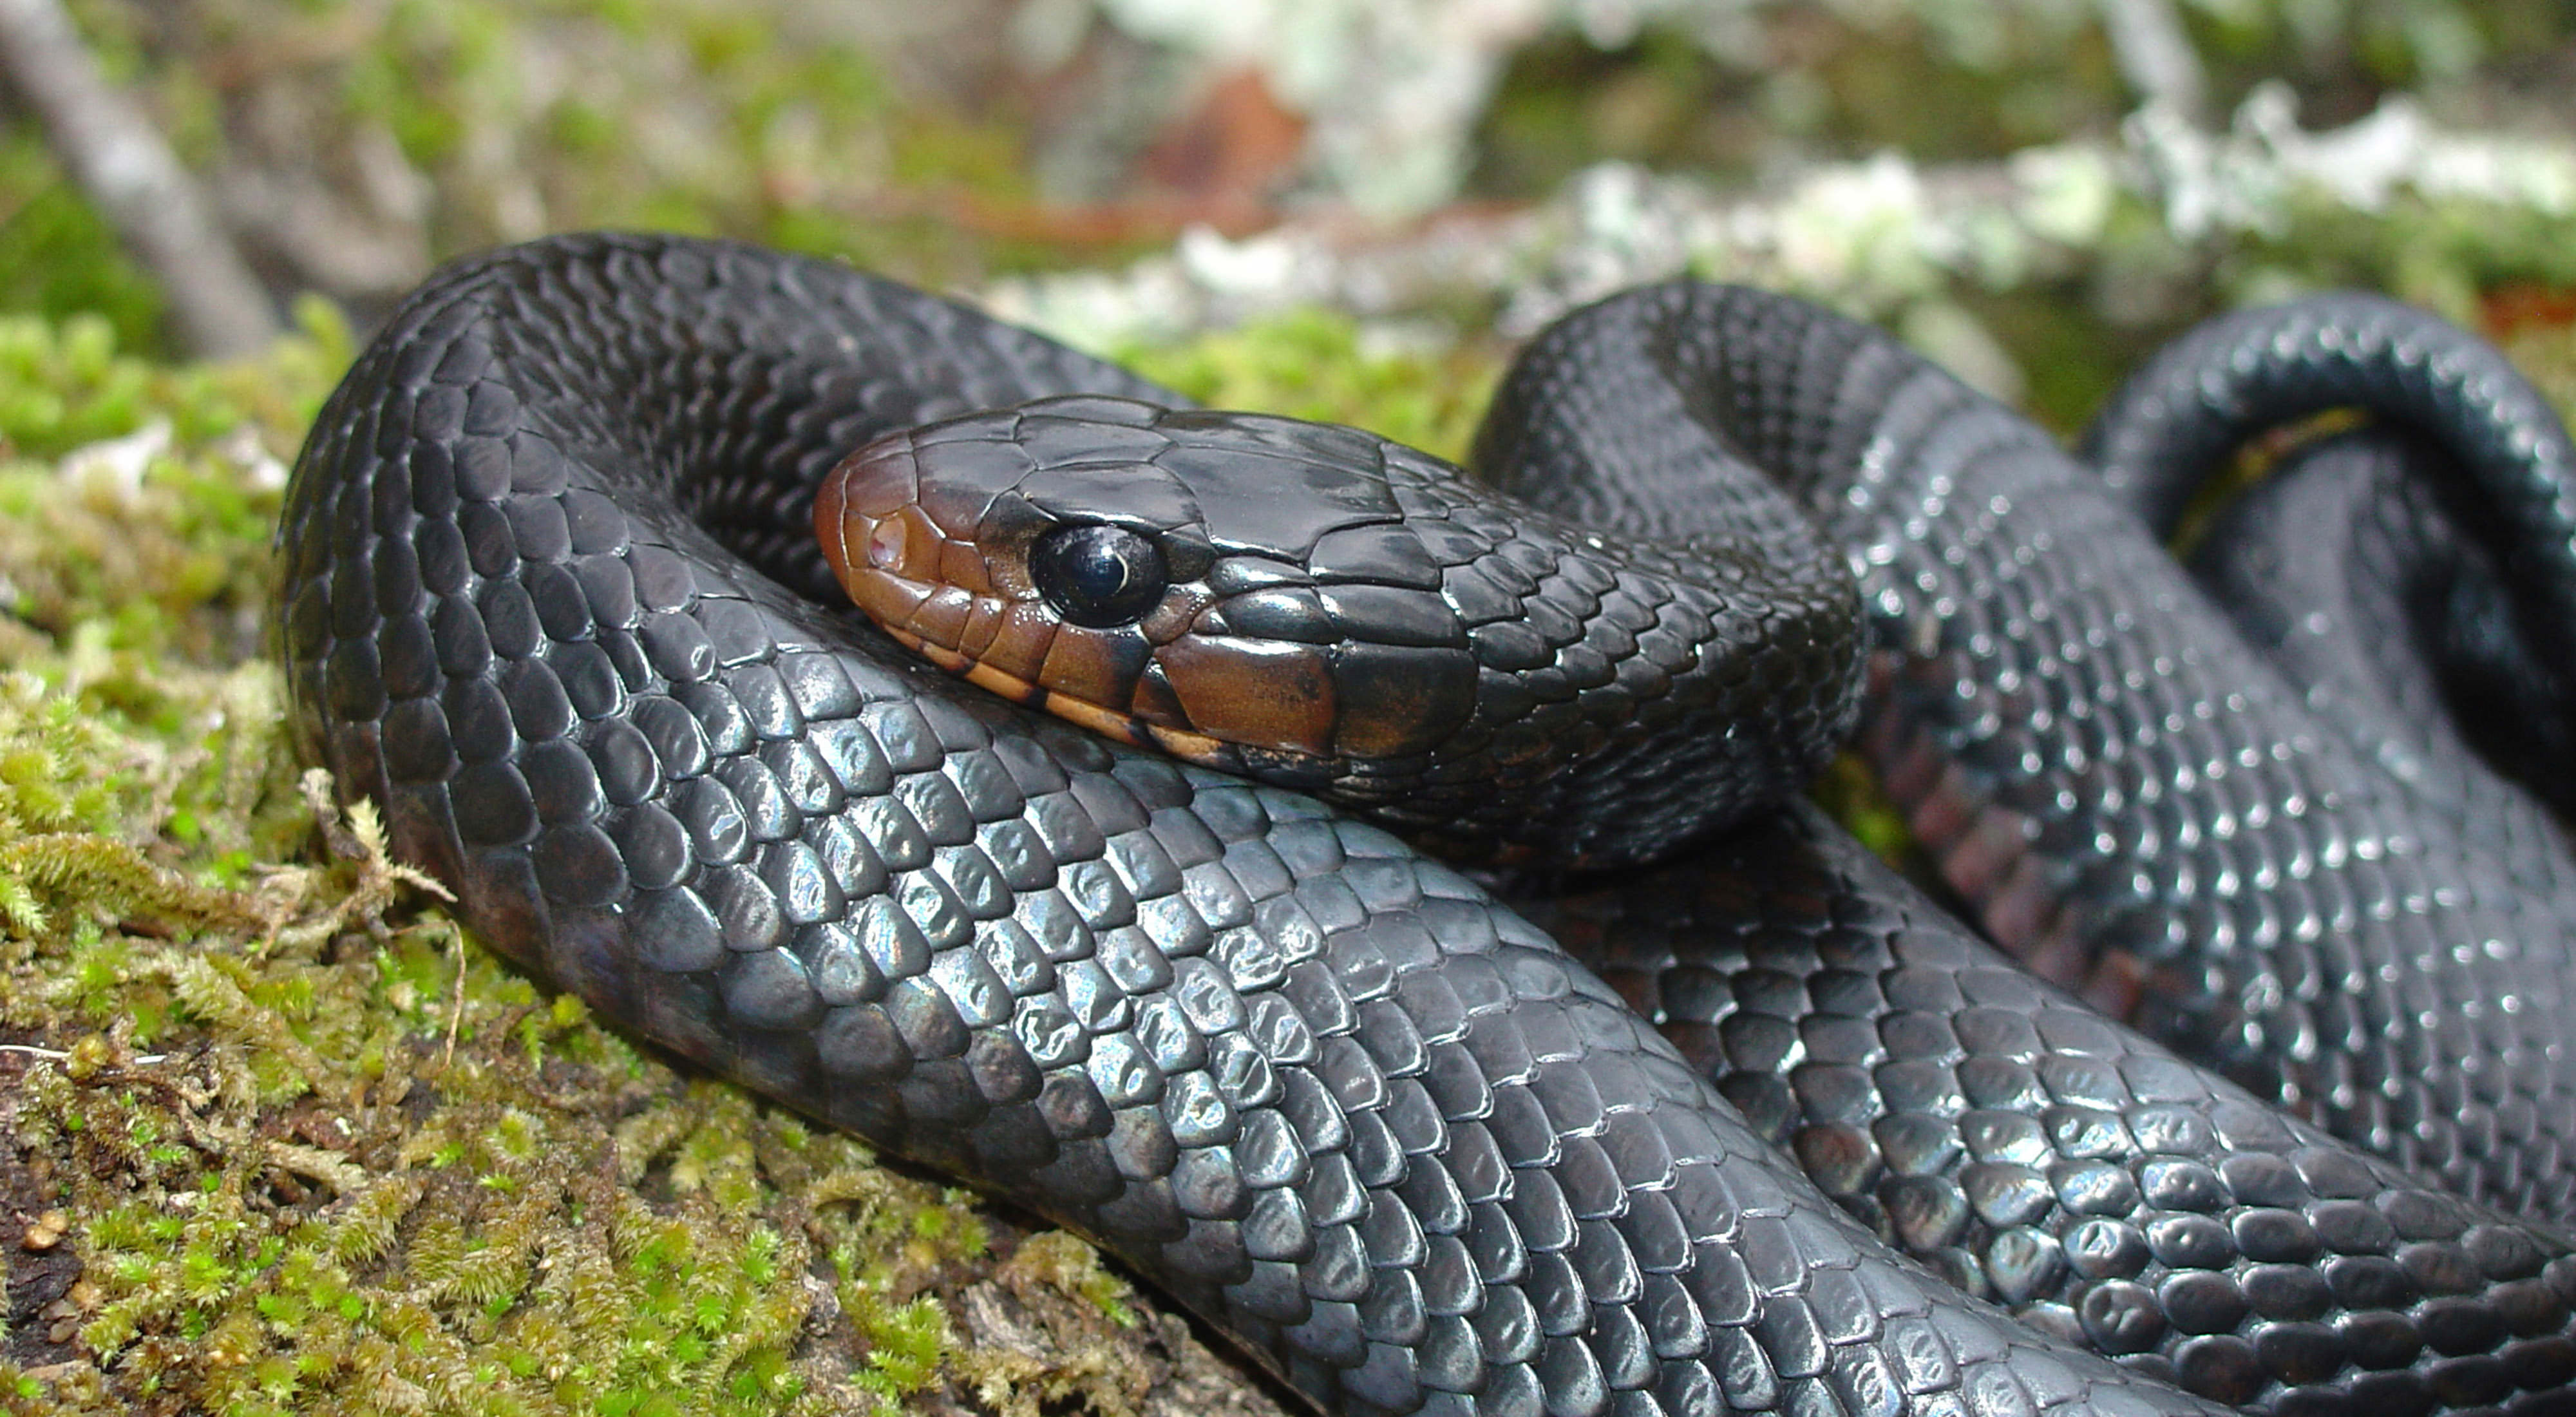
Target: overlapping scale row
2134	800
2047	1160
1325	1092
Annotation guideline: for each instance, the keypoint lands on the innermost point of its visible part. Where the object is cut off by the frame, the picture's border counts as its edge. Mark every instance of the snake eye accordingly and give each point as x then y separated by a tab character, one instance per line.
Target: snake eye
1098	575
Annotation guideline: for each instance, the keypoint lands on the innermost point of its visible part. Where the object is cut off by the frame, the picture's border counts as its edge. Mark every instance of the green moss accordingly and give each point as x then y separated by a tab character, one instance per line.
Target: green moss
322	1154
2439	253
2546	351
1320	364
763	122
58	254
425	1205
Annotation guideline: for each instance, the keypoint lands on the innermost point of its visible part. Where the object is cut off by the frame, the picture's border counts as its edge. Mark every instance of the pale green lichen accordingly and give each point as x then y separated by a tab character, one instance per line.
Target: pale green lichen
2040	276
1403	103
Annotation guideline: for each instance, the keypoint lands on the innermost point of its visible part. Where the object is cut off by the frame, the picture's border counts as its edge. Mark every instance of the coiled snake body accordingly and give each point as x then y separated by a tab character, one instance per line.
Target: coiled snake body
551	597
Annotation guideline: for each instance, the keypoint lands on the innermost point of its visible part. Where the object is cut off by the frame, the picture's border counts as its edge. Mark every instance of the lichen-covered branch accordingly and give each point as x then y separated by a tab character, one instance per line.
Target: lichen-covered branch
2155	55
2148	222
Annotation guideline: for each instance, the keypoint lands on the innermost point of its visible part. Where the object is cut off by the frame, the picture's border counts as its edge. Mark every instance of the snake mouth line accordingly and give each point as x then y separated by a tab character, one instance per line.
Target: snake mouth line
1190	747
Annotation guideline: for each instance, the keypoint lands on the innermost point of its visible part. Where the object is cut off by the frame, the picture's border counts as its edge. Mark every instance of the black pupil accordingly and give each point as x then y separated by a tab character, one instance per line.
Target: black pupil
1098	575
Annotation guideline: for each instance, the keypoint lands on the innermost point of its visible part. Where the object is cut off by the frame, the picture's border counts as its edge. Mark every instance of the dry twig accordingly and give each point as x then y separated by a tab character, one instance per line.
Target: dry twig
119	159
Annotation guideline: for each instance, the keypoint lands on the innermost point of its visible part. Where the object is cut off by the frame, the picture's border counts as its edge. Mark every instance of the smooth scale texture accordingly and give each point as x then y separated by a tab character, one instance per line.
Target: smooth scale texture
545	600
2031	1152
543	553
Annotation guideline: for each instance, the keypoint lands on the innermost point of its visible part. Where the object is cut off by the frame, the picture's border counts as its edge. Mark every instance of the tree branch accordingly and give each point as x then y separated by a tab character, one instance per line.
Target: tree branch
119	160
2155	55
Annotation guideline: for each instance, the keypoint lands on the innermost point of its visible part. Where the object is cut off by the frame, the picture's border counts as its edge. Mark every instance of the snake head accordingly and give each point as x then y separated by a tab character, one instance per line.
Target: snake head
1239	590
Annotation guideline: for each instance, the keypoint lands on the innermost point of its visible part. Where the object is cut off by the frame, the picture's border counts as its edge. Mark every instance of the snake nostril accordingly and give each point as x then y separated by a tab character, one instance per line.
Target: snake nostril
887	544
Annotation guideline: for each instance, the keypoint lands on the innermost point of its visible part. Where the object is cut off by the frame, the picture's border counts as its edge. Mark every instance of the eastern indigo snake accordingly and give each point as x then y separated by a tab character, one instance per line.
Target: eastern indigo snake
552	598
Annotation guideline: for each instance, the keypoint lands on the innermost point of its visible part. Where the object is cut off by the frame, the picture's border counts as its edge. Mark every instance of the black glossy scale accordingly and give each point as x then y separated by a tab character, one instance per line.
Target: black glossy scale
2044	1159
1323	1091
2135	799
1327	1093
2036	1155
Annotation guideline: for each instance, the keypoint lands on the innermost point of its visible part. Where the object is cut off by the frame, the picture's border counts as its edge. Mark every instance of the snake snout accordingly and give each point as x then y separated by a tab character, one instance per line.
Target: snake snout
1038	553
899	560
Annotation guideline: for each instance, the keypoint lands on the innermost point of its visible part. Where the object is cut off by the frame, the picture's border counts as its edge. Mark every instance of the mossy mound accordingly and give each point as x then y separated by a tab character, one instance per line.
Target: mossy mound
286	1141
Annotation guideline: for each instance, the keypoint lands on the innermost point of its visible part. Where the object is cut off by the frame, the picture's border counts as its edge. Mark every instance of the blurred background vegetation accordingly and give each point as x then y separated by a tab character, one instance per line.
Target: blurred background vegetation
281	1142
348	145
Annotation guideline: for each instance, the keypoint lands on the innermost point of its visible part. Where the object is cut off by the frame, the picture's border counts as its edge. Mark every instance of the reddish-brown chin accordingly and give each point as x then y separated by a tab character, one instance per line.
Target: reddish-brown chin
1267	696
903	570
